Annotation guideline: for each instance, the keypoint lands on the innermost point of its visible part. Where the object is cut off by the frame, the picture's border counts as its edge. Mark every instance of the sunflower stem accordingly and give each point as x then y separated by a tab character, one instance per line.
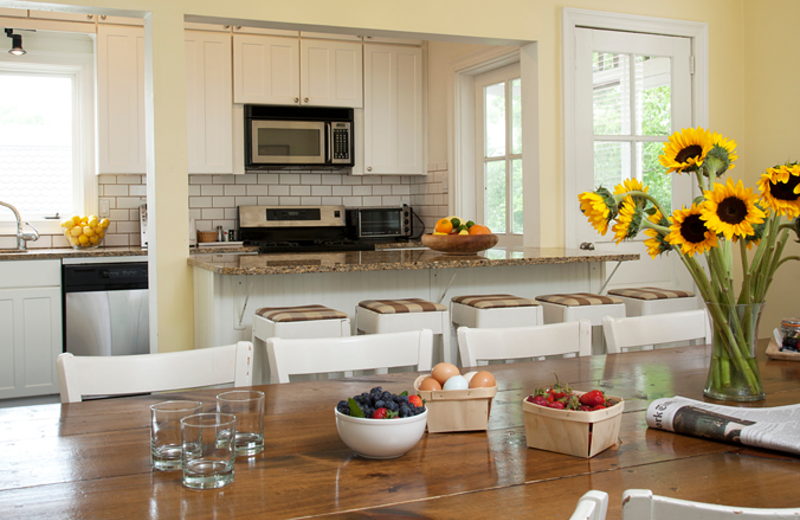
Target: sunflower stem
775	261
744	296
763	267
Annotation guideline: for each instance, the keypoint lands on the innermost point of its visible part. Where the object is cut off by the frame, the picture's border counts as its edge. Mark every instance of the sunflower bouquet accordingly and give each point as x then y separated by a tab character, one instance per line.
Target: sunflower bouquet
728	215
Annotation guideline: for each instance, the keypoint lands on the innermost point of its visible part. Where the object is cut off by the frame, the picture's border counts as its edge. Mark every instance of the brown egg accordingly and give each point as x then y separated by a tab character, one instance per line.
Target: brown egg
482	379
444	371
430	383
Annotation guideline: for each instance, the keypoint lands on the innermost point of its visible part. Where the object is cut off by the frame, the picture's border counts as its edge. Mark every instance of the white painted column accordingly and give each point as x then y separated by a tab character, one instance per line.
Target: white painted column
531	166
171	292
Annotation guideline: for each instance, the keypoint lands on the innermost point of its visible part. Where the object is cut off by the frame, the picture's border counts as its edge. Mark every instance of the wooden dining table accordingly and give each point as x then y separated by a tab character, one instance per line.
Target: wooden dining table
91	459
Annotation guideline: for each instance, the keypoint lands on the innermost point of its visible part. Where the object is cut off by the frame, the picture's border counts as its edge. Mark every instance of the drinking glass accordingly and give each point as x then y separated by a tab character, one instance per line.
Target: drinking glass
207	452
165	432
248	407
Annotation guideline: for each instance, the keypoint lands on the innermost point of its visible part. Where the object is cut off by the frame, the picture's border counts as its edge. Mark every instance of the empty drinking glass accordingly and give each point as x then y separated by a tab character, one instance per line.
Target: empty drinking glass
165	432
207	453
248	407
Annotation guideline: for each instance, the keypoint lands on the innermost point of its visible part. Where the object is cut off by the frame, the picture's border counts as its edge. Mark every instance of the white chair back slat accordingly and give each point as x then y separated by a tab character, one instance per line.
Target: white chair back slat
638	331
641	504
574	337
86	376
344	354
592	506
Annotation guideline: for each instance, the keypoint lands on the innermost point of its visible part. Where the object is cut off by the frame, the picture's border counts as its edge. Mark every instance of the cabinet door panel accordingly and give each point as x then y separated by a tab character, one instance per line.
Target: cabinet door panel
8	359
331	73
266	70
120	94
393	117
208	102
37	310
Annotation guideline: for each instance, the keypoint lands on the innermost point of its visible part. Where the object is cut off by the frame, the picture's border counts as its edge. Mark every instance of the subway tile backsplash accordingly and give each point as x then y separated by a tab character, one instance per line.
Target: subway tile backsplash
213	198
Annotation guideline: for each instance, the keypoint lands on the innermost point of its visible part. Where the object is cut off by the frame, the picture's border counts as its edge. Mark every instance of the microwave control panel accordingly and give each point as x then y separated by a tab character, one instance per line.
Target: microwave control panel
340	142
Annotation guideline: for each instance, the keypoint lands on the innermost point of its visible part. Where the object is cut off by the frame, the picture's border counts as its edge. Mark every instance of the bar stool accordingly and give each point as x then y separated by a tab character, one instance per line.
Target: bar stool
492	311
382	316
306	321
582	306
645	301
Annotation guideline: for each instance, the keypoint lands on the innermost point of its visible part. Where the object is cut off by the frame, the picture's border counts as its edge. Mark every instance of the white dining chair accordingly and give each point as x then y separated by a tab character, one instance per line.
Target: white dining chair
478	346
642	504
94	376
592	506
645	331
289	357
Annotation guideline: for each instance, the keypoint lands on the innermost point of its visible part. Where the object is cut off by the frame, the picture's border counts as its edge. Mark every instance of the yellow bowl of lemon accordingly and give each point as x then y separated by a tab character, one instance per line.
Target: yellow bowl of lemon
85	232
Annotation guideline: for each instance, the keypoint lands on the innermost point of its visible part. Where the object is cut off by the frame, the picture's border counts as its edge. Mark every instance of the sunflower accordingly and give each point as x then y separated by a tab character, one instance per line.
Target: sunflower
657	243
722	155
629	185
780	189
686	150
689	232
599	207
628	221
731	210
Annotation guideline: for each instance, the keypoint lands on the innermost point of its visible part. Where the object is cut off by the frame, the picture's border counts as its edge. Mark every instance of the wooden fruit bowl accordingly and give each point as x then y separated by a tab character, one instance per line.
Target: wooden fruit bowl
459	244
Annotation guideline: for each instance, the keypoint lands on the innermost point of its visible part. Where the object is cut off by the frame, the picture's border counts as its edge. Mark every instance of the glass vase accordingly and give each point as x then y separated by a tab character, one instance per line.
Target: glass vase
733	374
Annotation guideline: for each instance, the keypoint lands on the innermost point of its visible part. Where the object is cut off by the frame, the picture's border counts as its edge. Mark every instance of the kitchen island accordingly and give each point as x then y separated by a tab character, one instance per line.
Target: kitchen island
228	288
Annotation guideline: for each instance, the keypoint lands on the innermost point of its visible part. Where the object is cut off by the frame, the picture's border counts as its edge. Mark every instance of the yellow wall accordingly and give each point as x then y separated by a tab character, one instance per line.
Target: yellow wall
524	20
772	112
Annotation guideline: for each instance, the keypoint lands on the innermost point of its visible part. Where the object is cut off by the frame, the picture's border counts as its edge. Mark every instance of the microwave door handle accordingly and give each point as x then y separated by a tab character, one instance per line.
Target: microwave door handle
329	143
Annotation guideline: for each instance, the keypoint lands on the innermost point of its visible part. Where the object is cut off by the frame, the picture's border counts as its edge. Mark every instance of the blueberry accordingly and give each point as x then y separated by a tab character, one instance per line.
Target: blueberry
404	412
418	410
402	399
343	408
380	404
393	406
386	396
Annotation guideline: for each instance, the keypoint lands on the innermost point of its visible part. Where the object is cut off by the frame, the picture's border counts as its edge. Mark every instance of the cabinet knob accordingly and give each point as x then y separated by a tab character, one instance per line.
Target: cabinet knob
103	17
296	100
305	100
226	26
369	168
238	27
90	17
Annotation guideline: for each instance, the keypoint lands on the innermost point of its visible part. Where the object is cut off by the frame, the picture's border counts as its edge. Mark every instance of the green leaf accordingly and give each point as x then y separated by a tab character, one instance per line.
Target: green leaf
391	415
355	410
404	392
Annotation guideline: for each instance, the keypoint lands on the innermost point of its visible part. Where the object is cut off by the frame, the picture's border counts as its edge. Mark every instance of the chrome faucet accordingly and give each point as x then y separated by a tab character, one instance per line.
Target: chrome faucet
22	237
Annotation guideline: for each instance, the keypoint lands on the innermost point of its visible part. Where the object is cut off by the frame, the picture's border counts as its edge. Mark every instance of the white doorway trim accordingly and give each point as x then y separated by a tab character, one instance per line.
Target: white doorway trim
461	121
573	18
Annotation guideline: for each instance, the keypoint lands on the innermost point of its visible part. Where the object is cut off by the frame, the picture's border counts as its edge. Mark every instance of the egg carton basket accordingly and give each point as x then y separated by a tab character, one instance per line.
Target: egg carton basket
581	434
457	410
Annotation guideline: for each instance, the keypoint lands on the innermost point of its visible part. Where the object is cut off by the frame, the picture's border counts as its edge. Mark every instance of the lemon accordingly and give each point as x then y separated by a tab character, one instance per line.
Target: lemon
83	239
75	219
76	231
88	231
463	232
92	222
101	234
94	240
105	222
66	223
74	241
440	233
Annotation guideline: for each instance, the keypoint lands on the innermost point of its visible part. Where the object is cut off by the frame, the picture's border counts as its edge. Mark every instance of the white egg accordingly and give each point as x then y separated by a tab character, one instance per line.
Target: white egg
468	375
456	383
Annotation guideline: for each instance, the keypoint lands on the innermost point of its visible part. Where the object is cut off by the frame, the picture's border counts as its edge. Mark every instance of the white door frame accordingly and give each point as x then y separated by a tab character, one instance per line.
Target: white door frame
461	141
573	18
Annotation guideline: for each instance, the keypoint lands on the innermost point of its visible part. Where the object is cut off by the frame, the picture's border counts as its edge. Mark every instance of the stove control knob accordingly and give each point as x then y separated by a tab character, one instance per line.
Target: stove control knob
405	221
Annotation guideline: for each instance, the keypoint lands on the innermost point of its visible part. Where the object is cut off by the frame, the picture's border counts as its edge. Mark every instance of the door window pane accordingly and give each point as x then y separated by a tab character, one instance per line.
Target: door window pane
495	119
36	143
611	87
516	116
495	199
516	196
612	163
652	173
652	96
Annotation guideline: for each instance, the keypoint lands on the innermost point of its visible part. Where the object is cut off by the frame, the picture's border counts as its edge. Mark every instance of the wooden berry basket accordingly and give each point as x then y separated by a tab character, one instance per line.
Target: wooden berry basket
576	433
457	410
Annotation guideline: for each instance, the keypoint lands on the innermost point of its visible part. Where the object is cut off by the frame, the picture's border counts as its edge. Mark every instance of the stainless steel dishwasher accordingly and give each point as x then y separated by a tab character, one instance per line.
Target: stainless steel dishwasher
106	309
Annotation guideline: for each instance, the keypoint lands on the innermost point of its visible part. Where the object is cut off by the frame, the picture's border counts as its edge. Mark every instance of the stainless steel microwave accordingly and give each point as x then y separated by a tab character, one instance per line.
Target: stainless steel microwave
380	222
298	137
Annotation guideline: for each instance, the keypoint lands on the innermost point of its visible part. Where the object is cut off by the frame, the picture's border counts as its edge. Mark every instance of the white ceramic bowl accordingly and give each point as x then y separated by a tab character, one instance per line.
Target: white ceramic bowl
381	438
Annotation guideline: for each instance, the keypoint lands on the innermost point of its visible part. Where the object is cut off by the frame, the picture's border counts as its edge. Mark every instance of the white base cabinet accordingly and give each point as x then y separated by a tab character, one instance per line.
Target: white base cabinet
30	321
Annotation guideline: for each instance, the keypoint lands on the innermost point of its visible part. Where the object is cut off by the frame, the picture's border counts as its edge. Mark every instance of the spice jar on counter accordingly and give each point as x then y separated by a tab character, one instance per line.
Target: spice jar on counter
790	332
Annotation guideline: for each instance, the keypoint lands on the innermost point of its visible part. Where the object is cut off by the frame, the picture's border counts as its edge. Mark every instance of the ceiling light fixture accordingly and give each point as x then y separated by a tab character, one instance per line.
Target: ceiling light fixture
16	43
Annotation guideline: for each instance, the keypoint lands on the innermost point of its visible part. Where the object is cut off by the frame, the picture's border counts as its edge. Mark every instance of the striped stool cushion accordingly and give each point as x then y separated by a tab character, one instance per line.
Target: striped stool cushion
651	293
495	301
578	299
304	313
405	306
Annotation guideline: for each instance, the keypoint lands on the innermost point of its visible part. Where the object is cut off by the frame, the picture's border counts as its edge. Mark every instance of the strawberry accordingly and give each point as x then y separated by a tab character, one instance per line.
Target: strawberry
558	405
540	400
415	400
593	398
598	407
380	413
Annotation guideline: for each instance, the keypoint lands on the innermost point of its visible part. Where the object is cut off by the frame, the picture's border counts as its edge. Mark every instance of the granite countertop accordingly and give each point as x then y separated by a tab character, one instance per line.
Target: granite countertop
393	260
55	254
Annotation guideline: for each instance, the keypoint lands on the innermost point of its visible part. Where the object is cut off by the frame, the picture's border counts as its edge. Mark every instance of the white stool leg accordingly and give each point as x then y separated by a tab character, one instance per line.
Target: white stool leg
446	354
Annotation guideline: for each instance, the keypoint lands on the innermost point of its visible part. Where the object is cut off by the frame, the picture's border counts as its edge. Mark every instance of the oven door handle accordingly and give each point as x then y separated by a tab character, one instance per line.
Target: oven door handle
328	143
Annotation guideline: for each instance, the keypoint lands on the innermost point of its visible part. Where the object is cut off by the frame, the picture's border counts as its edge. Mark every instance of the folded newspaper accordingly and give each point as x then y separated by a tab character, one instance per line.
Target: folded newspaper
775	428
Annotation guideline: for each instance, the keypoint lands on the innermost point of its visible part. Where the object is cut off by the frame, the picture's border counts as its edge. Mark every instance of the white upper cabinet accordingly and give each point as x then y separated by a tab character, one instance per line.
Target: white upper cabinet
120	99
270	70
266	70
331	73
208	102
393	116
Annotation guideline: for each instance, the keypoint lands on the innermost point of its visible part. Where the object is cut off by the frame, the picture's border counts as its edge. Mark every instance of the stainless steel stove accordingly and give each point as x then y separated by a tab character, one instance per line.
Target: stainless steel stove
284	229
